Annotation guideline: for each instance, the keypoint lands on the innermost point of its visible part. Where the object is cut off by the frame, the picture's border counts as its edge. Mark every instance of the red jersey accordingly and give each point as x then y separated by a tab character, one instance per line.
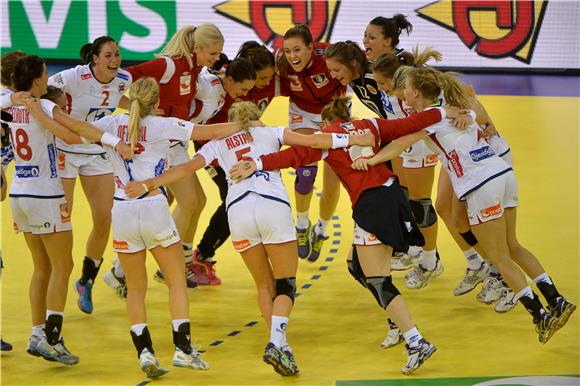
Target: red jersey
177	83
354	181
313	87
263	96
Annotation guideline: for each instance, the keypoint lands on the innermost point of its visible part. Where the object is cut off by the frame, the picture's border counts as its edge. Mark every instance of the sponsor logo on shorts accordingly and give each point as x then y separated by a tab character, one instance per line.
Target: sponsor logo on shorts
431	159
481	153
320	80
167	237
24	171
64	213
45	225
241	244
296	118
61	161
372	237
120	245
491	211
52	158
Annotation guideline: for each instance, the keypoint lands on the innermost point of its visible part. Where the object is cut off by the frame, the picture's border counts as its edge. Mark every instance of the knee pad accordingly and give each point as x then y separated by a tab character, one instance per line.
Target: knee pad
469	238
383	289
356	272
305	176
286	286
423	211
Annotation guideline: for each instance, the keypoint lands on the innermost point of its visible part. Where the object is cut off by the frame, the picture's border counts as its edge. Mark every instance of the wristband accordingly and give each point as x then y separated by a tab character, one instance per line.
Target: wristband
339	140
109	140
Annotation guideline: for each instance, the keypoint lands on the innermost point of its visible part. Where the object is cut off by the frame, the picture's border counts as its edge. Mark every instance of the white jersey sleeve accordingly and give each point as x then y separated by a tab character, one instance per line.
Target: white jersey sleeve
209	152
210	94
65	80
177	129
278	133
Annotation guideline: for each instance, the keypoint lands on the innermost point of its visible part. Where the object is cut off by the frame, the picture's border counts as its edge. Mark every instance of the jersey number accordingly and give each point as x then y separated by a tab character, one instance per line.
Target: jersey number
240	153
105	98
20	142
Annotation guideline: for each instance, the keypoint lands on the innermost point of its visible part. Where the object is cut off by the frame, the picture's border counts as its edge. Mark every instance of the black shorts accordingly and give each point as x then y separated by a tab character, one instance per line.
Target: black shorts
384	211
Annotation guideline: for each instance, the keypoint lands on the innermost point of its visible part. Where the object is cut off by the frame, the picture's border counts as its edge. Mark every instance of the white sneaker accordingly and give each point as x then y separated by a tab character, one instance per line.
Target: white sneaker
57	352
191	361
471	279
491	290
507	300
419	277
403	262
150	364
417	356
394	336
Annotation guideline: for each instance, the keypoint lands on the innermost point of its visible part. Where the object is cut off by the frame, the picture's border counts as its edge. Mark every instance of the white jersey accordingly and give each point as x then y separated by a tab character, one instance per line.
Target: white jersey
468	158
230	150
89	99
394	107
150	158
35	167
210	94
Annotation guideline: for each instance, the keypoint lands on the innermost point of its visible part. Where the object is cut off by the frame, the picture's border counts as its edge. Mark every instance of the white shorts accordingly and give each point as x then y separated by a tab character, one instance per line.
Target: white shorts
71	165
300	119
142	224
178	154
40	215
489	201
258	220
362	237
419	155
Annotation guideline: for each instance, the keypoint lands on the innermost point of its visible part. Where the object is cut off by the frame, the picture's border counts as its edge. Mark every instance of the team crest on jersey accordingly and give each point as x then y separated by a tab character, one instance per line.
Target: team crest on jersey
320	80
121	87
85	76
185	84
215	82
270	19
497	29
371	89
263	103
295	84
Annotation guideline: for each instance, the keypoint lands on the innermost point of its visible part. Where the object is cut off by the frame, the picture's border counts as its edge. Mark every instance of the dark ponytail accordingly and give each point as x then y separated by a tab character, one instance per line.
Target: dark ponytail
393	26
94	48
257	54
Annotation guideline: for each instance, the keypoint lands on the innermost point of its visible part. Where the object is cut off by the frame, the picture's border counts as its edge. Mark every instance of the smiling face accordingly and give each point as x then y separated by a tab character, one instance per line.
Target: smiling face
264	77
107	62
207	56
297	53
375	42
339	71
238	89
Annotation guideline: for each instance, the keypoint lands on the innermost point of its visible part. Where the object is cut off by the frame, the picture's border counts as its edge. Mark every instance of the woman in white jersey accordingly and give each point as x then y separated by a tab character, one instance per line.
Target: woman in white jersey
488	185
39	207
93	90
260	217
145	223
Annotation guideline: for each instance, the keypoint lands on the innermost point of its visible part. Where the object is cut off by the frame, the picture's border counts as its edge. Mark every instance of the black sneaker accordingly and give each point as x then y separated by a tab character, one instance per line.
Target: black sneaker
417	356
303	240
562	311
545	327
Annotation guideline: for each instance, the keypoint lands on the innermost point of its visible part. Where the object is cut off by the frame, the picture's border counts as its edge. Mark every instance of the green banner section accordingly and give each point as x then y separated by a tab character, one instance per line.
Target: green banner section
58	29
544	380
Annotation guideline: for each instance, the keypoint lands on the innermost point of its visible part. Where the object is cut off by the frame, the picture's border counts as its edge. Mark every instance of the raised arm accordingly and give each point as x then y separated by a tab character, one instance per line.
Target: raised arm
137	188
327	140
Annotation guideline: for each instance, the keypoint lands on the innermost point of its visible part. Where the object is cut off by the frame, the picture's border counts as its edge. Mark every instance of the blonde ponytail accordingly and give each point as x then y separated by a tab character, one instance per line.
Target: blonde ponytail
421	58
144	94
244	113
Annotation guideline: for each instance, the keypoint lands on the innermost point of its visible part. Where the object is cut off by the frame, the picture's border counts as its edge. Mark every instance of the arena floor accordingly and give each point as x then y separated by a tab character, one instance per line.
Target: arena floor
336	327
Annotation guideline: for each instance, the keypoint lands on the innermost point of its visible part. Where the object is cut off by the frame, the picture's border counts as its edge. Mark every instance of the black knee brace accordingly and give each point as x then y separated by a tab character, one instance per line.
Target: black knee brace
286	286
356	272
423	211
469	238
383	289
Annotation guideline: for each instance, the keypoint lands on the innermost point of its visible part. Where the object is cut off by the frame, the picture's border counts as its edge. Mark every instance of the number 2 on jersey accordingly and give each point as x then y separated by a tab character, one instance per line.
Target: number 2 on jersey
105	98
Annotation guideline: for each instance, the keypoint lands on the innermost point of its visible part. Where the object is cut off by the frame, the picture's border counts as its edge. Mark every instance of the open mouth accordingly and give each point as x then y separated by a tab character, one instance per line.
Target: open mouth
113	67
296	63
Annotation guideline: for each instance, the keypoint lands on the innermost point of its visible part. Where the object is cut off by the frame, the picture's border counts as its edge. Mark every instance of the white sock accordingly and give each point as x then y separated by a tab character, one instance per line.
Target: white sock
51	312
38	330
543	278
138	328
178	322
302	220
321	227
527	292
429	259
474	261
412	337
118	271
278	330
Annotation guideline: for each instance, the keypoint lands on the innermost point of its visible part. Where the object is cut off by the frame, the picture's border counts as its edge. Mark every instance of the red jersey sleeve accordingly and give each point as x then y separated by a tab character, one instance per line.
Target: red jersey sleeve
294	156
154	68
390	129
